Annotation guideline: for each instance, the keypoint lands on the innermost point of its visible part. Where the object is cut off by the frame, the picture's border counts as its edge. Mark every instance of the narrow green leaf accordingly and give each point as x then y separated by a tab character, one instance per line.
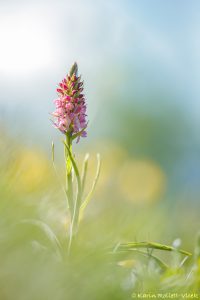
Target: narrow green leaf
47	231
89	196
84	172
77	203
151	245
74	165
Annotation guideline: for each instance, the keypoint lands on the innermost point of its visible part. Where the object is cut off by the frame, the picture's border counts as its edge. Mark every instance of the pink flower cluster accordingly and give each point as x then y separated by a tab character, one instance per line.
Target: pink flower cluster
70	114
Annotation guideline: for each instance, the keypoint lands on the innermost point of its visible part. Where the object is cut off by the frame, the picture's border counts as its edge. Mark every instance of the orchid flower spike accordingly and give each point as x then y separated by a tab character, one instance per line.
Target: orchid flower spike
70	114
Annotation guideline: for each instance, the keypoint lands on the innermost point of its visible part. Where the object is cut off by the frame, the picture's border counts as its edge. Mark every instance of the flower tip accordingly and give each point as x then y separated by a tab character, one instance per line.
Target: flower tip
74	69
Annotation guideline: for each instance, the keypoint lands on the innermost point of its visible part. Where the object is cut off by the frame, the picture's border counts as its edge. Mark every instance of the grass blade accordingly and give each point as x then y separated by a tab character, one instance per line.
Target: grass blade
151	245
47	231
89	196
84	172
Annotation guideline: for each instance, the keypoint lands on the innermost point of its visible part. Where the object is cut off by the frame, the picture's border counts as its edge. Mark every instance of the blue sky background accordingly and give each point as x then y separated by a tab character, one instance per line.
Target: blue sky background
141	45
140	61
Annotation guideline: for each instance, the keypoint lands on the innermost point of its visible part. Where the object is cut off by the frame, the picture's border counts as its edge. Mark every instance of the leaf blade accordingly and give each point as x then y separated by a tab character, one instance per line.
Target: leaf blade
89	196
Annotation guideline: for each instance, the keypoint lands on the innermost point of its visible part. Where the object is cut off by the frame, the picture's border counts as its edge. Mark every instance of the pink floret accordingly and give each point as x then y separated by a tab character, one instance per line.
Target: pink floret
70	113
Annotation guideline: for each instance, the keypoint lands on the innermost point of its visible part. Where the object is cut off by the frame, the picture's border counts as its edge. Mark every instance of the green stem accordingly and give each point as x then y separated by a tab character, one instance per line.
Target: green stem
69	183
77	204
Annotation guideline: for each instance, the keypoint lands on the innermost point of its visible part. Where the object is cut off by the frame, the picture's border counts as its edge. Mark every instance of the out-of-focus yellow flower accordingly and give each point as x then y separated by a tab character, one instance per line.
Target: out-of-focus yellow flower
128	263
31	170
141	181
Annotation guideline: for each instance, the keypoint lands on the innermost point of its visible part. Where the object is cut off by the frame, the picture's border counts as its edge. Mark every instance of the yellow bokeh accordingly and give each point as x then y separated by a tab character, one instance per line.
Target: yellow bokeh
31	170
128	263
141	181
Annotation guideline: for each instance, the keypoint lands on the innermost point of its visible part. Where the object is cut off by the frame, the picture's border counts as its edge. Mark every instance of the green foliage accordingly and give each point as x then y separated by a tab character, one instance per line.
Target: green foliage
103	264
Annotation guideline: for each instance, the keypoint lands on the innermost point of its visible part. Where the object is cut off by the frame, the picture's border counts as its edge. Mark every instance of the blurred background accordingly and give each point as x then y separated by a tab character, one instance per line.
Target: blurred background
140	63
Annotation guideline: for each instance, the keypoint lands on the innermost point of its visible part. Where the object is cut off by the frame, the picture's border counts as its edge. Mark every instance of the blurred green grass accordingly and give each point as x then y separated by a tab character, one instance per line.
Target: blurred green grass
119	212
